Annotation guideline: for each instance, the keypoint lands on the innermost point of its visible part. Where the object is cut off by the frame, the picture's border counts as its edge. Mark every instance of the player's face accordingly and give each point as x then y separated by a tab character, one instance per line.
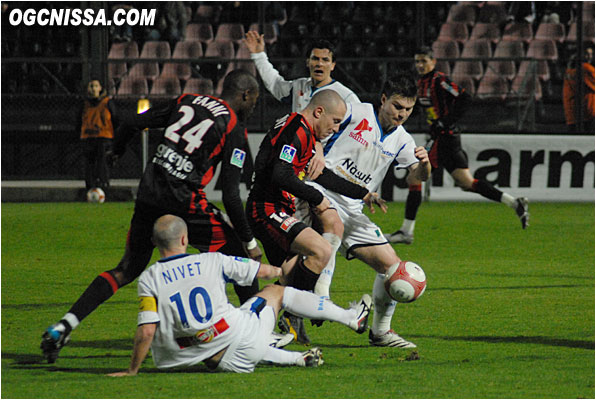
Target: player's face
94	89
424	63
395	110
320	64
328	121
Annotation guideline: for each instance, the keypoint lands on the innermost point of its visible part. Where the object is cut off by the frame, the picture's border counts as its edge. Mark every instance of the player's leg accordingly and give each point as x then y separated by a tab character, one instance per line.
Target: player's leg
405	234
139	249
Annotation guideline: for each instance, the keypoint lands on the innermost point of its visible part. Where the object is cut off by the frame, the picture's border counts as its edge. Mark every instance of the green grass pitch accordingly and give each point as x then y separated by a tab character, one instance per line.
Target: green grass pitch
507	313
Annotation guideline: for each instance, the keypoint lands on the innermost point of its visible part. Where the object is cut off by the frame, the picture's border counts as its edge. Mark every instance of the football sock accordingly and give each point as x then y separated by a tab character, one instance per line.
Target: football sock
413	201
309	305
246	292
302	277
70	322
384	307
101	289
283	357
407	226
324	281
508	199
487	190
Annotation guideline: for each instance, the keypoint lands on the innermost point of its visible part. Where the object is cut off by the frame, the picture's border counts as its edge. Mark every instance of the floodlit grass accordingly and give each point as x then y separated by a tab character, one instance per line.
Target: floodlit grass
507	313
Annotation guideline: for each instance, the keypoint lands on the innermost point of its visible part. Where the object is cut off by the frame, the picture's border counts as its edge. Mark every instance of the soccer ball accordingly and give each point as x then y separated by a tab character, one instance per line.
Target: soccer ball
96	195
405	281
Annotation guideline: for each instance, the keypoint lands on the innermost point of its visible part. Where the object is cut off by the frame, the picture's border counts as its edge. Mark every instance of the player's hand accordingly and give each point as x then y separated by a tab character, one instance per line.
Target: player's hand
421	154
322	207
373	198
317	163
254	254
122	373
254	42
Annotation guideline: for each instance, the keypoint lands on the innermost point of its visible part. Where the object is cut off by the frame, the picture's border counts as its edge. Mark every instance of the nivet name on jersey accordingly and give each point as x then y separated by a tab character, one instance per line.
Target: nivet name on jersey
351	167
181	272
177	165
214	106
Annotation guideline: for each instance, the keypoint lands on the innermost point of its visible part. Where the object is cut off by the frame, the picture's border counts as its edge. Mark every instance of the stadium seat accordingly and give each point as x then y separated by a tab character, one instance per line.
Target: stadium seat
542	69
124	50
453	31
492	12
217	49
512	48
588	7
516	31
550	31
116	70
479	48
156	49
486	31
270	35
465	82
202	32
588	32
443	66
492	87
462	13
176	70
220	50
472	69
166	85
207	13
145	70
188	49
199	86
543	49
521	87
445	49
247	64
133	85
230	32
505	69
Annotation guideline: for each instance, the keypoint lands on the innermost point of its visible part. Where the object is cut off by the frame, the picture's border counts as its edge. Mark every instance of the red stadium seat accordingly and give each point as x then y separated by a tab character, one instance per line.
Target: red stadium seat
270	35
507	48
492	12
487	31
492	87
188	49
176	70
517	31
542	69
588	32
551	31
199	86
505	69
156	49
453	31
230	33
220	50
146	70
472	69
465	82
247	64
207	13
133	85
445	49
462	13
524	88
542	49
124	50
202	32
116	70
443	66
166	86
479	48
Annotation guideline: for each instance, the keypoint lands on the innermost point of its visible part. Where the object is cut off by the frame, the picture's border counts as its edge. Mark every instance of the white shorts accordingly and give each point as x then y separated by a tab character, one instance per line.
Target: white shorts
359	230
250	348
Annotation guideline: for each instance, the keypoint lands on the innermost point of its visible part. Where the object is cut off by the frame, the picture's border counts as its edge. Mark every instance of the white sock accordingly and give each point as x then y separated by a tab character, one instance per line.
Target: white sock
283	357
384	307
309	305
324	281
508	199
407	226
72	320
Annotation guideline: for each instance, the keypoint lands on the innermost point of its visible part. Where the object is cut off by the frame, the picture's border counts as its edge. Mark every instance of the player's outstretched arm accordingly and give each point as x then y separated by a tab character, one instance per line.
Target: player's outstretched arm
268	272
142	344
254	42
422	170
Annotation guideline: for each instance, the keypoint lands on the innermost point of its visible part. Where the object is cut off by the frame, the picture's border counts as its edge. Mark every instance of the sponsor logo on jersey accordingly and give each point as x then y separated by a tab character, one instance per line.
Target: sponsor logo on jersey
241	259
237	159
174	163
356	134
351	167
288	223
287	153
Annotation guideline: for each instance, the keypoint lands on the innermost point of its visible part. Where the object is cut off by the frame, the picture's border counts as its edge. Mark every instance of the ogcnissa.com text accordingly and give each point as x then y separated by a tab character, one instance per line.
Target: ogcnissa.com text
78	16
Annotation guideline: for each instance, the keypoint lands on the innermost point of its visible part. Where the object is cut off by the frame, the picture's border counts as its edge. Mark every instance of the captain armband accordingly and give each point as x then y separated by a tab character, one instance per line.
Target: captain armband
147	304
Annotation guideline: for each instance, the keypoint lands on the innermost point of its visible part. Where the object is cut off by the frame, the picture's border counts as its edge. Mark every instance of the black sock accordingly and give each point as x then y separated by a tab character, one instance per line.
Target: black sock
246	292
413	202
303	278
487	190
101	289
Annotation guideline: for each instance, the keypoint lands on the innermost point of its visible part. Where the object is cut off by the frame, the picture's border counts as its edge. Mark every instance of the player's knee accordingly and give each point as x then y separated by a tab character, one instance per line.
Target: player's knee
322	255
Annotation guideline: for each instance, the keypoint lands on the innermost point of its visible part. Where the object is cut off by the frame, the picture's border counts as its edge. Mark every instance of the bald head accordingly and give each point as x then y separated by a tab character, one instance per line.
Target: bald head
170	233
325	112
239	81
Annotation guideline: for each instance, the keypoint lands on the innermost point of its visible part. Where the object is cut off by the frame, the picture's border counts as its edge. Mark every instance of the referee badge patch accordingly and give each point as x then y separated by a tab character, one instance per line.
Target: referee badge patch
287	153
238	157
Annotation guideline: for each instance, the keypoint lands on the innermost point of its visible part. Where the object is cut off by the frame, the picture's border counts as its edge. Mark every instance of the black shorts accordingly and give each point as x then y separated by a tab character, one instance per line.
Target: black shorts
206	232
447	152
275	228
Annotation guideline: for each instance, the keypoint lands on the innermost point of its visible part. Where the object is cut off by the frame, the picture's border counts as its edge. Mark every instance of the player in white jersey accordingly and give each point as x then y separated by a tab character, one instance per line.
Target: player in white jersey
367	145
185	317
320	63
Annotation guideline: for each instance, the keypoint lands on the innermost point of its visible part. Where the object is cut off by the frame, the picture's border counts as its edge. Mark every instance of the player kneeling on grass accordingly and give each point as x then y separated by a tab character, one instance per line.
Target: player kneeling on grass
185	317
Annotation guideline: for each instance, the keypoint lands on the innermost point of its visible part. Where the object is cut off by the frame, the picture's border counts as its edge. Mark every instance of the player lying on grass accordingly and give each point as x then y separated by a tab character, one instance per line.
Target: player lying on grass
280	167
369	143
185	317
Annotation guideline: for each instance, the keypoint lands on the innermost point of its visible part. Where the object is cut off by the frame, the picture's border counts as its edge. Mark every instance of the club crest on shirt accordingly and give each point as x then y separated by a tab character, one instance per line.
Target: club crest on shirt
238	157
287	153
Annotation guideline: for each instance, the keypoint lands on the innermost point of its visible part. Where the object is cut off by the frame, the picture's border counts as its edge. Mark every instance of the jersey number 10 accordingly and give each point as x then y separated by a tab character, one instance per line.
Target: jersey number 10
192	303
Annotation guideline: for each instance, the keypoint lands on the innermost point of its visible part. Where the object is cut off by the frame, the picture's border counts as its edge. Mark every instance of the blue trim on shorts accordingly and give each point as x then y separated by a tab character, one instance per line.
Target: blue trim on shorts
258	305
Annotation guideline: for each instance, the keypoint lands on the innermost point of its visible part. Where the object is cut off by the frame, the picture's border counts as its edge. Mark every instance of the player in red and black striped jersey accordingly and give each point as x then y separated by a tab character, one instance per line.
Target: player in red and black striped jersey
280	167
200	133
444	103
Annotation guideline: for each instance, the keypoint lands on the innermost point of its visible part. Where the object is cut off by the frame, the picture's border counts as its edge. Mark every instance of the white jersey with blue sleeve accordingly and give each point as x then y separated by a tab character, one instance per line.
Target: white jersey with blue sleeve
362	153
186	296
299	91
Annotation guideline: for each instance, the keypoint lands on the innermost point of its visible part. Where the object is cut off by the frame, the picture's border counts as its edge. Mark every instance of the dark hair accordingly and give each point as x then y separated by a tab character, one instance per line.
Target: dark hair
402	83
322	44
426	50
239	80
